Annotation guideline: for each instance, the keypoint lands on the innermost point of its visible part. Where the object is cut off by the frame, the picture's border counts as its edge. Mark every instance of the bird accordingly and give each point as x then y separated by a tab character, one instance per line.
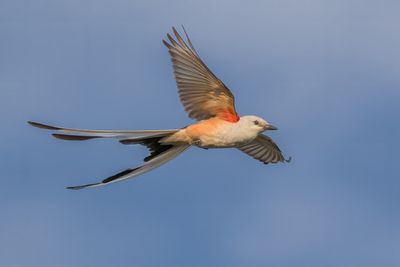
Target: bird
207	100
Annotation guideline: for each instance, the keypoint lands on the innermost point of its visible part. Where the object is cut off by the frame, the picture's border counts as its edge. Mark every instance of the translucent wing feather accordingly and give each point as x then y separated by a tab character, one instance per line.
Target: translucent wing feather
202	94
263	149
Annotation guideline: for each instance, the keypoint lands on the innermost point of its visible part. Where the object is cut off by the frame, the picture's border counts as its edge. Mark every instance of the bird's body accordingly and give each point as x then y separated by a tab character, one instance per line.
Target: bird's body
206	99
217	133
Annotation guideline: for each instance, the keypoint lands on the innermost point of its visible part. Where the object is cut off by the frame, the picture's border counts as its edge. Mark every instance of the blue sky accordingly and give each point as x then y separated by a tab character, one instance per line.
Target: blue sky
327	73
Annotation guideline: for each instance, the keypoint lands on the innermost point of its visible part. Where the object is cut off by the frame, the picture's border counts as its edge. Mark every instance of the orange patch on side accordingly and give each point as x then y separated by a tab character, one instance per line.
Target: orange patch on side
229	115
204	127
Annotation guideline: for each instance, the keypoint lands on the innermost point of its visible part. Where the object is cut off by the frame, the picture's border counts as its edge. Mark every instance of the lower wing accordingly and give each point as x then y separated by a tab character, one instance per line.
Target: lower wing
264	149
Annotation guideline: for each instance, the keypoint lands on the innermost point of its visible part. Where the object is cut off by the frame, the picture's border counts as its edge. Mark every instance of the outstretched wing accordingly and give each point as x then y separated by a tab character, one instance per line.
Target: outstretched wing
202	94
263	149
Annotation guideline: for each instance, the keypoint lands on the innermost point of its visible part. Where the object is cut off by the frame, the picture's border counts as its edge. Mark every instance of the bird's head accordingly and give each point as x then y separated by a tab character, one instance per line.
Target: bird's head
256	124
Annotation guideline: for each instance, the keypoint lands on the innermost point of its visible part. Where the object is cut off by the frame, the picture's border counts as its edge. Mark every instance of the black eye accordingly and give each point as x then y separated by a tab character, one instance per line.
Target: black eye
256	122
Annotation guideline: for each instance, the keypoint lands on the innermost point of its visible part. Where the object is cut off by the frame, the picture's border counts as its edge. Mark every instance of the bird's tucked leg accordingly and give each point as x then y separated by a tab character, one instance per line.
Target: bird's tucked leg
197	142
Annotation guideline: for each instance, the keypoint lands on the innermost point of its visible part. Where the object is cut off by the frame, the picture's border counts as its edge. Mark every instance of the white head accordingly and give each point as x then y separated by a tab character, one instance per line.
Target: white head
256	124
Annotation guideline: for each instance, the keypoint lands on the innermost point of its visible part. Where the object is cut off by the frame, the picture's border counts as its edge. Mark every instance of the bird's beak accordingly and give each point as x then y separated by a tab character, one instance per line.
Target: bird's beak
270	127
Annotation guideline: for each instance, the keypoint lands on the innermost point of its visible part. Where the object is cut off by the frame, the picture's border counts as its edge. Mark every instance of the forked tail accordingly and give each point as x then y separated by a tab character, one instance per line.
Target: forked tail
156	159
159	153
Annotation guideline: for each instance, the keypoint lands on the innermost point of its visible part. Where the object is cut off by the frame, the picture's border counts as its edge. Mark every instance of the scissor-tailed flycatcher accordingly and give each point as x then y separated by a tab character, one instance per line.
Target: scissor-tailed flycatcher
207	100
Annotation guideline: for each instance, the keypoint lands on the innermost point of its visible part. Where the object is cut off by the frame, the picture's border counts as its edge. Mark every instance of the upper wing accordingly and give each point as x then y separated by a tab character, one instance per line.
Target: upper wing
202	94
263	149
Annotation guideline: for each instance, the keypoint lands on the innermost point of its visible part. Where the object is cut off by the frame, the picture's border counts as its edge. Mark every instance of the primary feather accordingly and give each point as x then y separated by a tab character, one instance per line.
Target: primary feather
202	94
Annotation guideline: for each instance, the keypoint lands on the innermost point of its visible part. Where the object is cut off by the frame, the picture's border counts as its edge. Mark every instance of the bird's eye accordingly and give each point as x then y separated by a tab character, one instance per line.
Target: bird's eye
256	122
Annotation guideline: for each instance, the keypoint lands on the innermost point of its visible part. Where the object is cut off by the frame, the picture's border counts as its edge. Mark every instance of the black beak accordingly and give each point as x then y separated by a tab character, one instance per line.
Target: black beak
270	127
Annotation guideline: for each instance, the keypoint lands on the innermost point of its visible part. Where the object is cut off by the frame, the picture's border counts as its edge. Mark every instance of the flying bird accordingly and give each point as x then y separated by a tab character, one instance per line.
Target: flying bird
207	100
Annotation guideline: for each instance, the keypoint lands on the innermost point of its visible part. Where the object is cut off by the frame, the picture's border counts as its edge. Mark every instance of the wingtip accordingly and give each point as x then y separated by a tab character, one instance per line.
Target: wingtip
184	30
176	33
171	39
166	43
288	160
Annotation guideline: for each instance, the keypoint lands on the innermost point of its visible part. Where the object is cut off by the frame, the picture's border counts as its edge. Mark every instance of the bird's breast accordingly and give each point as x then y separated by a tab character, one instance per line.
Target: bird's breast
216	133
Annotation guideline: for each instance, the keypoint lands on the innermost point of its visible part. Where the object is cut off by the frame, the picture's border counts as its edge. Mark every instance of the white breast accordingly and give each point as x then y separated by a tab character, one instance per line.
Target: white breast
228	135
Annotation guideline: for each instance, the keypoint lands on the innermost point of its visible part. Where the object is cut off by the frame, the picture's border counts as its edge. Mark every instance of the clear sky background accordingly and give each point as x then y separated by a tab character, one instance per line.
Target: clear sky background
327	73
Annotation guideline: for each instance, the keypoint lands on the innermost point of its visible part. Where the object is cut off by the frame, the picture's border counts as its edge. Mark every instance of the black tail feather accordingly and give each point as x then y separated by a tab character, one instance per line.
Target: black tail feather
152	143
43	126
71	137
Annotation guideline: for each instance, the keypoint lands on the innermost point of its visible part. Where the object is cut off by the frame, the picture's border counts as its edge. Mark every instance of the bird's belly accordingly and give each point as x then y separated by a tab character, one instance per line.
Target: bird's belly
222	141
